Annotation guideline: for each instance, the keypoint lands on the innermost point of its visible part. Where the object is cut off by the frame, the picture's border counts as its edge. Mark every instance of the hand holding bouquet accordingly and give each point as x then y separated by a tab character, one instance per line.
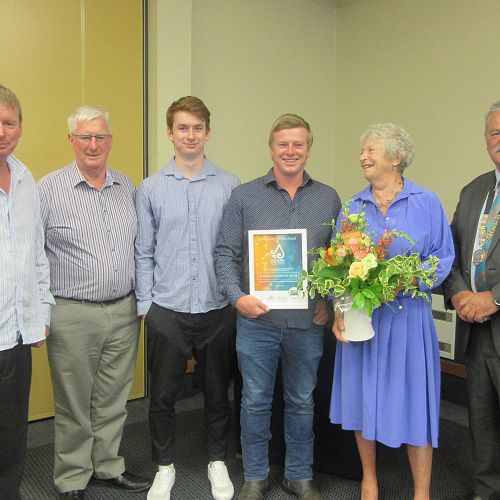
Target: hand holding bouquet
354	266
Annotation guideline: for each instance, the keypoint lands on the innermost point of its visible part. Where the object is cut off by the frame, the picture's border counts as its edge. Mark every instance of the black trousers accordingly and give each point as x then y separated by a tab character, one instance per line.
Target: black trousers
173	338
483	384
15	382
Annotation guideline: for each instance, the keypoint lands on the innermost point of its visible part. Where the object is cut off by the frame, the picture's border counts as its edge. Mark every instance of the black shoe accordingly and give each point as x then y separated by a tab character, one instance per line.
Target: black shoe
254	490
127	481
73	494
304	489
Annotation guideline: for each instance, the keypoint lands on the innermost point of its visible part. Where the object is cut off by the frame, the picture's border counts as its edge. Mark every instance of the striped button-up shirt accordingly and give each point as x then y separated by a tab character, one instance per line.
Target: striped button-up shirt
89	234
179	219
263	204
25	299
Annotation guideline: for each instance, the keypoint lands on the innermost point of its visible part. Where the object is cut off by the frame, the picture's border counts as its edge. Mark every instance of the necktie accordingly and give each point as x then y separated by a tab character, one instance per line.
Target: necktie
489	230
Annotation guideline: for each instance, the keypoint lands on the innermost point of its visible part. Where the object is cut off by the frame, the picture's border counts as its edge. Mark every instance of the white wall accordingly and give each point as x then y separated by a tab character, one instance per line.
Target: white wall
431	66
250	62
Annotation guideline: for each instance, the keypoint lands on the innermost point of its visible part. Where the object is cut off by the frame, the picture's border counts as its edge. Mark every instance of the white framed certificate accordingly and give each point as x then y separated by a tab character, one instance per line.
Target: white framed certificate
276	259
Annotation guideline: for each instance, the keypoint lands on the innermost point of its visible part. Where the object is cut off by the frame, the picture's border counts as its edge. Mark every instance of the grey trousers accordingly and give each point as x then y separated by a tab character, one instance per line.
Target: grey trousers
92	350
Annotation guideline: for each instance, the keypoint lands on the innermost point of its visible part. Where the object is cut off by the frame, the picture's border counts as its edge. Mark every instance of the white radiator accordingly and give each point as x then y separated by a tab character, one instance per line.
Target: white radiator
445	326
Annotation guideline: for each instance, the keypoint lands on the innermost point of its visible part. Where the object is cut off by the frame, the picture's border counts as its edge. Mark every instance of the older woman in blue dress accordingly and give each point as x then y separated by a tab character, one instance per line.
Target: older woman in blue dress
387	389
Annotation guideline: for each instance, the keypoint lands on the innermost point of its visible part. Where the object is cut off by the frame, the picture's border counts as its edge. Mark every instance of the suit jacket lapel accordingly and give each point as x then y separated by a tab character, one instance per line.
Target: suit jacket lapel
483	190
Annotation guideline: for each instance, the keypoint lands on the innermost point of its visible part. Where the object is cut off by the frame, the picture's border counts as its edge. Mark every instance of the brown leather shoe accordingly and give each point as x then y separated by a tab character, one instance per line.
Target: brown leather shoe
304	489
254	490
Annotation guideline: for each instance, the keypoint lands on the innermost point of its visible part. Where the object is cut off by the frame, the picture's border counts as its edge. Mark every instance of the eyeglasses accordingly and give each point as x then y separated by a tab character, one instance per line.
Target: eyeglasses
86	138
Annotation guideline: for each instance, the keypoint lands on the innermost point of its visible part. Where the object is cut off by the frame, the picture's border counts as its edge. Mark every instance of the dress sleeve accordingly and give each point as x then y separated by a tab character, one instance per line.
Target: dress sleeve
440	241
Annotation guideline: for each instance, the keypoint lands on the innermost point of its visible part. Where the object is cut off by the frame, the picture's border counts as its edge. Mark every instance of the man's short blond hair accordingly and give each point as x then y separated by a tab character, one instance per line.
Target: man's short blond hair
290	121
9	99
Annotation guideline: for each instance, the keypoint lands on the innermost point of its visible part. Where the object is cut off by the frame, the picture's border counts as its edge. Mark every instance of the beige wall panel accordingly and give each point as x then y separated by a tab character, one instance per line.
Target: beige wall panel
169	72
430	66
250	62
253	61
113	76
42	62
40	56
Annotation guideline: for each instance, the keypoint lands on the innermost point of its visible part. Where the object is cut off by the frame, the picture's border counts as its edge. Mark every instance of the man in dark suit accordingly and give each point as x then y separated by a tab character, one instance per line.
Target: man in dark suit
473	290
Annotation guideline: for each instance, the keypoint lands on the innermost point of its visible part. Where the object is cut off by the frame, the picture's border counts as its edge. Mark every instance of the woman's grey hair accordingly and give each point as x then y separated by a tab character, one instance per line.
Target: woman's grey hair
86	113
397	142
494	108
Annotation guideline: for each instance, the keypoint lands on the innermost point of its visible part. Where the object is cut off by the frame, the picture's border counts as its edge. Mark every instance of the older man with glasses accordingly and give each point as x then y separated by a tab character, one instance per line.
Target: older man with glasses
90	225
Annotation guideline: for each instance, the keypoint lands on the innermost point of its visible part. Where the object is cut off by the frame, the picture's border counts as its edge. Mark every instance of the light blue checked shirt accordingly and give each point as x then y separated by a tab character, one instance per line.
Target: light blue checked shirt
25	299
179	219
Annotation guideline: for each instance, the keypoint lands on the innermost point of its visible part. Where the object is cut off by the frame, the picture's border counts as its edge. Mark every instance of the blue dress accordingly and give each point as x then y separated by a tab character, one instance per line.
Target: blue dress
389	386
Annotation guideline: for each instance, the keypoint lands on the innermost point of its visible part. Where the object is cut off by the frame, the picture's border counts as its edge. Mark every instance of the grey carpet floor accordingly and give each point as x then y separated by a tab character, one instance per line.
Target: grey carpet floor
451	470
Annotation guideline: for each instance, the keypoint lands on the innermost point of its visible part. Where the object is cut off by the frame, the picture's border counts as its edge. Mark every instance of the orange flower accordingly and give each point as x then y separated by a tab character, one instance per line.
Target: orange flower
347	226
330	257
381	253
386	239
341	251
360	253
352	238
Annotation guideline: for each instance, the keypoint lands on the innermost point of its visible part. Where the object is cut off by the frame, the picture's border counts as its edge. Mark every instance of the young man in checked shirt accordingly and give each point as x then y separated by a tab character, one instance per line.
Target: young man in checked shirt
179	211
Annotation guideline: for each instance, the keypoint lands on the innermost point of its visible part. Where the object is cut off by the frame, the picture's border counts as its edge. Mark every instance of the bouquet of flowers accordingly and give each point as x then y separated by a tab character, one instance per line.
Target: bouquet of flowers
354	268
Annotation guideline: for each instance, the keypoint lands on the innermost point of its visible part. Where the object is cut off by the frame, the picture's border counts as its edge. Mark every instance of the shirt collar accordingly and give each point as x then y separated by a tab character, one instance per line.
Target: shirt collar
270	178
207	169
409	188
76	177
17	169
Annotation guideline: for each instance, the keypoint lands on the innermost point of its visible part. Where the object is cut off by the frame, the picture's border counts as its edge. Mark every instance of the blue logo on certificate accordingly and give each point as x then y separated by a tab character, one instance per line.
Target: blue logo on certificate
276	259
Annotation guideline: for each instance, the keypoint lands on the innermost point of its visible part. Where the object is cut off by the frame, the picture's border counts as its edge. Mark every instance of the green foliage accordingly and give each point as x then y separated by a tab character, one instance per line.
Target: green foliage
378	280
381	284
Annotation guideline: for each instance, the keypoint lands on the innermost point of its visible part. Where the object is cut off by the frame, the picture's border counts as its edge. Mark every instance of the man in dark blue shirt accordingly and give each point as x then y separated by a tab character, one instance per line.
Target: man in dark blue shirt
285	198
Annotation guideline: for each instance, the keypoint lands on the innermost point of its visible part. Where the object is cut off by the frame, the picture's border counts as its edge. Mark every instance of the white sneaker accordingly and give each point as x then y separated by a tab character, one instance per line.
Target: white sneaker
222	487
164	480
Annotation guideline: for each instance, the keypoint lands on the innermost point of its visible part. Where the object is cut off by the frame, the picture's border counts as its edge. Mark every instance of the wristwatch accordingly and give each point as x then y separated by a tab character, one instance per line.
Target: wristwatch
496	301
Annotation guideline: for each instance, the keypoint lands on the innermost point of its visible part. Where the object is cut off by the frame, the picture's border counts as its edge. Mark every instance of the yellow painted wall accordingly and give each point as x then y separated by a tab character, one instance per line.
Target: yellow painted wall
56	55
431	66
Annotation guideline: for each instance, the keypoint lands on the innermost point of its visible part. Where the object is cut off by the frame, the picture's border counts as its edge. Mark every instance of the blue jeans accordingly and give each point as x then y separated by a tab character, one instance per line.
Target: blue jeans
260	346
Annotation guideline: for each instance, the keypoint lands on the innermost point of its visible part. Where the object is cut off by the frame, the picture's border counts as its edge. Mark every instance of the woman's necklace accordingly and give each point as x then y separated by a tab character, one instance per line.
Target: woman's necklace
385	203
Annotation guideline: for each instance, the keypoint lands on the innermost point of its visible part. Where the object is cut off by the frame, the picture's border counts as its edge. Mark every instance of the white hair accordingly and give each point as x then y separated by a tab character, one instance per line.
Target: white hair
87	113
397	142
494	108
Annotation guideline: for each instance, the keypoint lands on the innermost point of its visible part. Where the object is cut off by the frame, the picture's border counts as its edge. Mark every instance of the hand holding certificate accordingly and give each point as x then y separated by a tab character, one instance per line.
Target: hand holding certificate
276	259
